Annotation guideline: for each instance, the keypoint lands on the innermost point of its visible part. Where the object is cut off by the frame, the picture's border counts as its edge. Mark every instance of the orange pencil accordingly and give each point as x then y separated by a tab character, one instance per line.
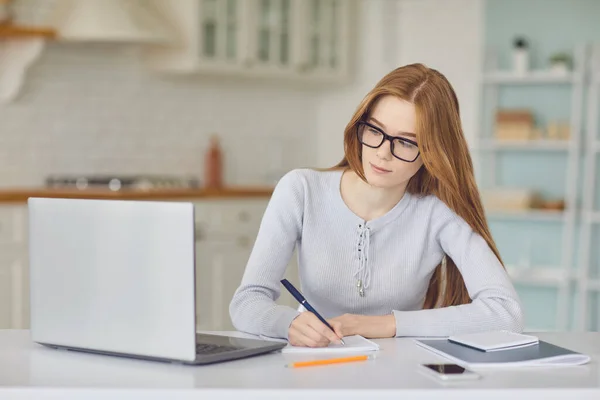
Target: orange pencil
328	361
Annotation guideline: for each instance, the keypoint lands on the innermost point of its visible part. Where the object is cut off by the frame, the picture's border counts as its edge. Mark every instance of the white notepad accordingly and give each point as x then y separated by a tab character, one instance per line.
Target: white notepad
494	340
353	344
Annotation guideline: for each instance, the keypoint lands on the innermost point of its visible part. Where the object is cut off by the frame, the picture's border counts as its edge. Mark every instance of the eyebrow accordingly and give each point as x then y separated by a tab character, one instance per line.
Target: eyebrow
400	132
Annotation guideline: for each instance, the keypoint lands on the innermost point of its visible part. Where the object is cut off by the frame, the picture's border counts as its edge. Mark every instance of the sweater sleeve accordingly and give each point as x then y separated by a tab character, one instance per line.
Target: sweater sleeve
495	304
253	308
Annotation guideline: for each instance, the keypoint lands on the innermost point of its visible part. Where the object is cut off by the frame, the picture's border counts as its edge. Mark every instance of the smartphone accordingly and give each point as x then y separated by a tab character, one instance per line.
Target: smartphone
449	372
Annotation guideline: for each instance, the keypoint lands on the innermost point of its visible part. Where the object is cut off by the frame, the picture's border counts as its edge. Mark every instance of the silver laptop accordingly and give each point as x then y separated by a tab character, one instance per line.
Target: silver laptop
117	277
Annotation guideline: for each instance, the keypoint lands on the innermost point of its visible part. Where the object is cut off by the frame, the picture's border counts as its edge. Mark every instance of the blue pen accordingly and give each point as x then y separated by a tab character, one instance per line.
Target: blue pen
298	296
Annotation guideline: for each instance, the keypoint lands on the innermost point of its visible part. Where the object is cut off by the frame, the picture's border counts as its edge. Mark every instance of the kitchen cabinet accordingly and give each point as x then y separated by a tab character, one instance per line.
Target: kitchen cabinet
14	276
296	39
326	37
225	233
219	266
12	309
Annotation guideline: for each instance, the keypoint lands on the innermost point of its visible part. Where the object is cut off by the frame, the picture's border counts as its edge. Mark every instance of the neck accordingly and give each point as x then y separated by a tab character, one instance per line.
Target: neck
367	201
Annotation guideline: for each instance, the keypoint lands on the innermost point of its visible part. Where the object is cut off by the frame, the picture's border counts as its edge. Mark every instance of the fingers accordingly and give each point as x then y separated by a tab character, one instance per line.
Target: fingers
322	329
332	336
308	330
337	328
306	336
315	334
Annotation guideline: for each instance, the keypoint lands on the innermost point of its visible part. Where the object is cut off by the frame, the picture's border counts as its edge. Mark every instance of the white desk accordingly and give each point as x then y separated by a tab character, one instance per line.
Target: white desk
31	371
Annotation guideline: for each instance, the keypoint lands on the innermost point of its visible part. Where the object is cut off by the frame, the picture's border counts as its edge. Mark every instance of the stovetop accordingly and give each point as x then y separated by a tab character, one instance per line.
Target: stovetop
118	182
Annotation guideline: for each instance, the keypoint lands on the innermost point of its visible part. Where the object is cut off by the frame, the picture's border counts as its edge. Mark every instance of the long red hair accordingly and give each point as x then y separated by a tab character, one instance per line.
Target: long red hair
447	170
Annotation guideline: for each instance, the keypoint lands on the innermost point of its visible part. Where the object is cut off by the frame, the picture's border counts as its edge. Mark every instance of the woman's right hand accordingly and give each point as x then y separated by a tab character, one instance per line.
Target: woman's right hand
307	330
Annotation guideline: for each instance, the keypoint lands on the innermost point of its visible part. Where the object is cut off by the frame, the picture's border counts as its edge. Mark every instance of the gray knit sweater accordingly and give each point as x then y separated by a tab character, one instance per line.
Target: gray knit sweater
382	266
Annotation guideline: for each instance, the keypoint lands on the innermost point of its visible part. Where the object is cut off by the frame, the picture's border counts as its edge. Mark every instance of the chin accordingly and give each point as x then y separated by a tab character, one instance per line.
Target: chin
383	182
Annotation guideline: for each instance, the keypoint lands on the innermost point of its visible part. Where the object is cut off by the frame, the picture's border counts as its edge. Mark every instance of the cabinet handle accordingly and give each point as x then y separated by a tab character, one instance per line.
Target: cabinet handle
244	216
199	233
243	241
304	67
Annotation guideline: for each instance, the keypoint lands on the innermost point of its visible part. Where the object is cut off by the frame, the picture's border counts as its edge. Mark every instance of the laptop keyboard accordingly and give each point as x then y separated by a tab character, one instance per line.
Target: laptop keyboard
205	349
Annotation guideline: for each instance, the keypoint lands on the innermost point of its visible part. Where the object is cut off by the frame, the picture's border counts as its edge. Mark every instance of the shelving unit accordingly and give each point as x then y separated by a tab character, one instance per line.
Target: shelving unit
532	145
532	215
532	77
590	216
539	276
593	284
551	145
560	276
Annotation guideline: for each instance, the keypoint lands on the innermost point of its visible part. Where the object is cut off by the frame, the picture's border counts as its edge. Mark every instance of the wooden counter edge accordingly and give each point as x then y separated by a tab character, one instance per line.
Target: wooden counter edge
21	195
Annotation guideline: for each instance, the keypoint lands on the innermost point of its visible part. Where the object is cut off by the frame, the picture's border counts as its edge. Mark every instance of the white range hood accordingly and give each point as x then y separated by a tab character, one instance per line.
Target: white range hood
130	22
110	21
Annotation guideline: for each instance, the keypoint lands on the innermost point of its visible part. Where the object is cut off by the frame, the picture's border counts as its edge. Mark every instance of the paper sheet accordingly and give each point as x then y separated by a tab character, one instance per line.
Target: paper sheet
354	344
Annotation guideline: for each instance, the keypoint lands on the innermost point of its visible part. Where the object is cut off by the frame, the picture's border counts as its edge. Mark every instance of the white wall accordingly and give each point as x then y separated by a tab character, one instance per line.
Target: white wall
445	35
95	109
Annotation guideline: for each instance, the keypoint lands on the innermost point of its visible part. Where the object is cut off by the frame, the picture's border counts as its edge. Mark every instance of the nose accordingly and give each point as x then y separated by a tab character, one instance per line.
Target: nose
385	150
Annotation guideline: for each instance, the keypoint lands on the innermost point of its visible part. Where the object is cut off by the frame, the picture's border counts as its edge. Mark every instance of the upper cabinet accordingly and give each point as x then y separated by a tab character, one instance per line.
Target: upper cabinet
306	39
219	34
326	38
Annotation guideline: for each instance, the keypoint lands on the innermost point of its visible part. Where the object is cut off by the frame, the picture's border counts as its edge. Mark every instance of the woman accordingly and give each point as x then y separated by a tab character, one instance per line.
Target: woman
392	241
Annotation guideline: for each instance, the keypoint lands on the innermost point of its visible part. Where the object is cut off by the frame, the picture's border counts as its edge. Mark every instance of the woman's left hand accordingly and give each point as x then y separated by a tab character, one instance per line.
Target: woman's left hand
368	326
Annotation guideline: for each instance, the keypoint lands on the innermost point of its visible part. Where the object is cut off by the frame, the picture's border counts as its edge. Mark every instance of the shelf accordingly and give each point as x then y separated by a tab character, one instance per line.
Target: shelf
533	77
13	31
539	276
593	284
533	329
525	145
531	215
594	216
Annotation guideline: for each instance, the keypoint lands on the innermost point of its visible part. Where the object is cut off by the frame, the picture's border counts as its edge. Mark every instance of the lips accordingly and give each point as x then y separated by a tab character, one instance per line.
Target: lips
379	169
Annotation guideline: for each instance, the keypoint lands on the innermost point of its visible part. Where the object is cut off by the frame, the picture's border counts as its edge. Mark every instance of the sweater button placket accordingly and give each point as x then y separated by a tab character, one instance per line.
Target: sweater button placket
359	283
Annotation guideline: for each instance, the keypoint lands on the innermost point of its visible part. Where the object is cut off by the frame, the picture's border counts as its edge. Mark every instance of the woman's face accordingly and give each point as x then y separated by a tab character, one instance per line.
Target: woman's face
397	118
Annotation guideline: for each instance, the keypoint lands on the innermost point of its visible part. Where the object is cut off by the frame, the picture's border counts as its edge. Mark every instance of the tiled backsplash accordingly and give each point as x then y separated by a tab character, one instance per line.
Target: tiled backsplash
97	109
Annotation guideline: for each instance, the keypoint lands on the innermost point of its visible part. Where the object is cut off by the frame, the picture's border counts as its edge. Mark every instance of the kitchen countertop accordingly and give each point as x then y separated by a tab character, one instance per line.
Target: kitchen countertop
20	195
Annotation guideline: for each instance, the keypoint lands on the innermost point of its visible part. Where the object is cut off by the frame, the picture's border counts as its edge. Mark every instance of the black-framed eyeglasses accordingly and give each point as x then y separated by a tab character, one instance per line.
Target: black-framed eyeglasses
373	137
